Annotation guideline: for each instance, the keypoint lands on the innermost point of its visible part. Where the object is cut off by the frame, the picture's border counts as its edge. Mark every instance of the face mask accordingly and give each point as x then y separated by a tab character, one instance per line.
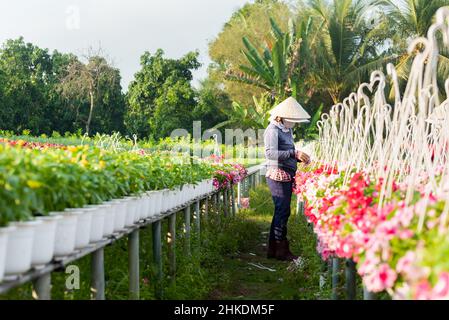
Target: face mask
289	125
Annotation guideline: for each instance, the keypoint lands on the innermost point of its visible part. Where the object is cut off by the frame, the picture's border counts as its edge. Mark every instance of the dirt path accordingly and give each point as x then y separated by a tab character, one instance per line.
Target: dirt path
252	276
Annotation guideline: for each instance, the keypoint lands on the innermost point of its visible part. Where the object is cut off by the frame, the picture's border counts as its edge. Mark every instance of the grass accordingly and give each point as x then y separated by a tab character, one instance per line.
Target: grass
285	280
224	267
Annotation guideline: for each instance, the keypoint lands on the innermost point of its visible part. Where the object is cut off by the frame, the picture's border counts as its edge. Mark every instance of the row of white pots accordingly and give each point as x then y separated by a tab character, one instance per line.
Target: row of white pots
35	243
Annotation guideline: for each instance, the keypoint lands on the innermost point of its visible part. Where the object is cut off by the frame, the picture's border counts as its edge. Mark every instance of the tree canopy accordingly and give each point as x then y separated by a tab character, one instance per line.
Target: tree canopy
161	98
317	51
32	82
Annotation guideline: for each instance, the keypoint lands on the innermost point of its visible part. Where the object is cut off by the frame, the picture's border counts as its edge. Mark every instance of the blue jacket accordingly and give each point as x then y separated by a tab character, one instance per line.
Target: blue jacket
280	148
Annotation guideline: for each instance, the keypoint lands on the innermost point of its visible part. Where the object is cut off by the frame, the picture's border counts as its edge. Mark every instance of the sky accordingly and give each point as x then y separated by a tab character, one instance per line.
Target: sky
124	29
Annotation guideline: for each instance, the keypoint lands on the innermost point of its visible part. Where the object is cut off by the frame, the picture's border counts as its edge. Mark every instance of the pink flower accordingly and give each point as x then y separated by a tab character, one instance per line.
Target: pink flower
369	264
423	291
346	248
405	264
244	203
381	279
441	289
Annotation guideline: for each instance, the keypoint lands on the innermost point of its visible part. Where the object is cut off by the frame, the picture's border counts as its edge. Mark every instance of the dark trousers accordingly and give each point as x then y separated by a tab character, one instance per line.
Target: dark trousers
282	197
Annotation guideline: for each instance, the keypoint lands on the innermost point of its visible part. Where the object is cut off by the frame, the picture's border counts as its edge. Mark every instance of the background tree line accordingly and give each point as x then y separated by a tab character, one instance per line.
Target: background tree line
315	50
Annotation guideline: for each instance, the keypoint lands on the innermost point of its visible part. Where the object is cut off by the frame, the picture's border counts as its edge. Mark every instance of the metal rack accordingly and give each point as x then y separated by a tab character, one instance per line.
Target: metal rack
224	199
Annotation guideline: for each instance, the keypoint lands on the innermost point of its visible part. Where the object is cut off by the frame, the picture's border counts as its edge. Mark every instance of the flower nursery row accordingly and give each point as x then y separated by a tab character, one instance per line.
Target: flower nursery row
55	200
398	248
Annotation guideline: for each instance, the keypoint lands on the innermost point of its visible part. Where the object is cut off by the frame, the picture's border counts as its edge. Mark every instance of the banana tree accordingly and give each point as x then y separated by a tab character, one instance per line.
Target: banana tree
253	116
280	65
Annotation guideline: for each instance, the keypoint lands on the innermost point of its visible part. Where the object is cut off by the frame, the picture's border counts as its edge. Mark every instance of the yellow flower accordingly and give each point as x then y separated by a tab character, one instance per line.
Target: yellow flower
33	184
84	161
72	148
102	164
21	142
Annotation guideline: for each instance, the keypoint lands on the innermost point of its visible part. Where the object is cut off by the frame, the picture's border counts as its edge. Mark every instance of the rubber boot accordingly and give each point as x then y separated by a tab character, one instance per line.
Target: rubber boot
283	252
271	251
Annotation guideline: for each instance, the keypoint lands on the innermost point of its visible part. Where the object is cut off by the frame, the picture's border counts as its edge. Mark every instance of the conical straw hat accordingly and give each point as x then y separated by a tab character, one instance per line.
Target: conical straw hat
290	110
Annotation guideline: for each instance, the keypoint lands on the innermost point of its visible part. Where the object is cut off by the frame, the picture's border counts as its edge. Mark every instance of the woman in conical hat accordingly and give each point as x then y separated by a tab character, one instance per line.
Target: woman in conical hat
282	159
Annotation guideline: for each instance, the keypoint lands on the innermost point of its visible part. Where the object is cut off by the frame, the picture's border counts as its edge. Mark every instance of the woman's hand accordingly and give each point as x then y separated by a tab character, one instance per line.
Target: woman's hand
302	157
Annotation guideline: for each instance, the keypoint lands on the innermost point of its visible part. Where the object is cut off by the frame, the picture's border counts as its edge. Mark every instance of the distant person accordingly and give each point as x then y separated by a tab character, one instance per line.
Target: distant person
282	159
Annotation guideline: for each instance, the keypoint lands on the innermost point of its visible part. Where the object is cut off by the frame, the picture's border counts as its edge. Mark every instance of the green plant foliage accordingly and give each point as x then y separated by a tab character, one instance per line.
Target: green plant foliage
31	99
161	97
40	181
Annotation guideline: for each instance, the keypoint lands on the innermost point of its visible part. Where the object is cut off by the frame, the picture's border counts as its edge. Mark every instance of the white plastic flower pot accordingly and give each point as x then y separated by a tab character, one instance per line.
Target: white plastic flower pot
185	193
140	207
180	196
4	235
210	184
144	206
148	204
158	202
44	241
195	191
119	207
131	207
83	226
168	200
109	219
204	190
174	200
190	192
151	203
147	199
65	238
97	225
20	247
176	197
165	200
200	188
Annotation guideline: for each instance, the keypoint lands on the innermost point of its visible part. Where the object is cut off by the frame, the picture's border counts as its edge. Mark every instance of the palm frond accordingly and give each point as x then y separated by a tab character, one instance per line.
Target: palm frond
257	62
364	70
246	80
